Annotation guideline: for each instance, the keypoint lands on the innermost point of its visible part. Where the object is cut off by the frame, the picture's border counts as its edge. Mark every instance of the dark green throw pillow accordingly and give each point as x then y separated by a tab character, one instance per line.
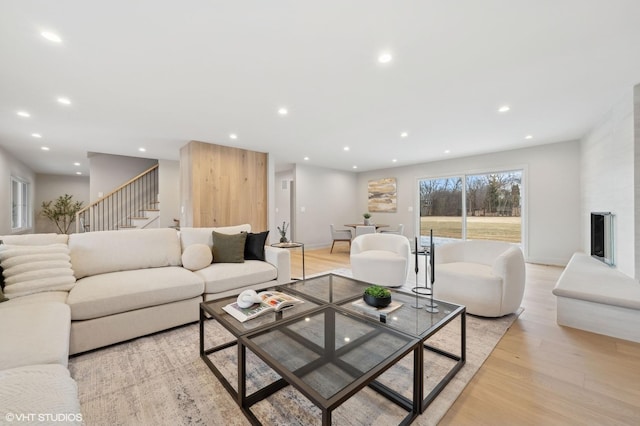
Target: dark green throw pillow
254	247
228	248
2	298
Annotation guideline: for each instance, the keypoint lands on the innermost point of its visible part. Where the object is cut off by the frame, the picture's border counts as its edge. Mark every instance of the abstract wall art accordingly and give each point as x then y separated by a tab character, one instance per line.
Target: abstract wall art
382	195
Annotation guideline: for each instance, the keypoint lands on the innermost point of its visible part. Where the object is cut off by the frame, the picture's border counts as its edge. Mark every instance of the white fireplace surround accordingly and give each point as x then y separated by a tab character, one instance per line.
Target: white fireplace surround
598	298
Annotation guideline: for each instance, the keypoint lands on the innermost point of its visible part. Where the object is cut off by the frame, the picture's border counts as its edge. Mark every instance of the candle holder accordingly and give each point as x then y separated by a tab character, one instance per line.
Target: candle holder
432	307
416	304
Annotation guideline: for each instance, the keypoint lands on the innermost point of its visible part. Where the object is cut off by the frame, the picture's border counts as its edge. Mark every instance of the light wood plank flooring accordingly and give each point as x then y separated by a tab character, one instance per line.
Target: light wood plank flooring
539	373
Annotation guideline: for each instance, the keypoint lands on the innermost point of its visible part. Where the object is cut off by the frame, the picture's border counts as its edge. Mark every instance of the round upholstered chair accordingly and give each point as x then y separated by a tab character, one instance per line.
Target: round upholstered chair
487	277
381	259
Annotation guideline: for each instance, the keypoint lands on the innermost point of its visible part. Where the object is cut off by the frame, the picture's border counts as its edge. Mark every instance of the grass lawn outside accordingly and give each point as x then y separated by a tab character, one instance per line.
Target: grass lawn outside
499	228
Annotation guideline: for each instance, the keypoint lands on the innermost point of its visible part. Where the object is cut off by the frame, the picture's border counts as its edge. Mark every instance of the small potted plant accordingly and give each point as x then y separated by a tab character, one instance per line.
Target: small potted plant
367	218
377	296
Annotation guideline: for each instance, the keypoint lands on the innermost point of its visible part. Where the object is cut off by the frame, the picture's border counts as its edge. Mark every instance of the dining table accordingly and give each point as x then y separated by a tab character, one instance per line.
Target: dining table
377	225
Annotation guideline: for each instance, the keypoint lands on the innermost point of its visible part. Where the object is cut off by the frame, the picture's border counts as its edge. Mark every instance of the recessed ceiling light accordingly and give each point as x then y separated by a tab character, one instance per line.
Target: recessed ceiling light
395	160
385	58
64	101
51	36
142	149
306	158
233	136
283	111
529	137
346	148
36	135
78	173
23	114
355	167
447	151
504	108
76	164
45	148
404	134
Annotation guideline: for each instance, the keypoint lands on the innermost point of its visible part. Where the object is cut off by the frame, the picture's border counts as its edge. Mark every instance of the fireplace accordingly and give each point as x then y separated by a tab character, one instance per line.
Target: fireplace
602	237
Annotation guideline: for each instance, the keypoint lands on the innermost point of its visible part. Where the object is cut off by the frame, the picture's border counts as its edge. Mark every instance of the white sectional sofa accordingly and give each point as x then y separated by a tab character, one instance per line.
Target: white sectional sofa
71	294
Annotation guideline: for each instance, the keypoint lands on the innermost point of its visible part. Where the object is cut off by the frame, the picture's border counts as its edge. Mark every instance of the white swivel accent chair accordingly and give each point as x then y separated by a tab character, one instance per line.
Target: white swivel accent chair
381	259
366	229
487	277
340	235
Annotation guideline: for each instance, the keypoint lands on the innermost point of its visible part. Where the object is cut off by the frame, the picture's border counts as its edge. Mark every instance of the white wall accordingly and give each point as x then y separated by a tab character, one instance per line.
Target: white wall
283	203
607	178
551	195
108	171
327	196
168	192
49	188
10	166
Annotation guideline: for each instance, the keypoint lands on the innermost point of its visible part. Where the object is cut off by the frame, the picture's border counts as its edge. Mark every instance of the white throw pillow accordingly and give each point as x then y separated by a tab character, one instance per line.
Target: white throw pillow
197	256
34	269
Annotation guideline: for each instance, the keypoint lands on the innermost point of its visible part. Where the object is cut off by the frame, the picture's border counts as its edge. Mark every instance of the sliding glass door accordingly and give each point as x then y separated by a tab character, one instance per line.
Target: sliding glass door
484	206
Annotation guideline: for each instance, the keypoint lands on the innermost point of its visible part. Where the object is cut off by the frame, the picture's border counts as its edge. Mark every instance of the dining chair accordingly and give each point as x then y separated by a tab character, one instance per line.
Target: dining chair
339	235
399	230
366	229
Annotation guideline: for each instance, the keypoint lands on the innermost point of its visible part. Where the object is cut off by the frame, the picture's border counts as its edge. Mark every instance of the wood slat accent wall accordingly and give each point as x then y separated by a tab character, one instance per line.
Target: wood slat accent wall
222	186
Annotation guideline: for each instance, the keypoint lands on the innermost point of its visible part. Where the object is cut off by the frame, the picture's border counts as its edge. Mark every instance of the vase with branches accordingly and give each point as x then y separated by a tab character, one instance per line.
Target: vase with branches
62	211
283	232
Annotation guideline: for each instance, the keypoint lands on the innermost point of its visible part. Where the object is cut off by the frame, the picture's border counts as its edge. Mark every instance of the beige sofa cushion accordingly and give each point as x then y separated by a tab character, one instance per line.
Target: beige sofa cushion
39	390
35	333
31	269
220	277
116	292
94	253
35	239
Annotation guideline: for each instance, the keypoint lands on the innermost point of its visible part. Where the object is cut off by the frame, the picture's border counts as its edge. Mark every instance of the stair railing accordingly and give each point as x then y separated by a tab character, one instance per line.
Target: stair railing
115	210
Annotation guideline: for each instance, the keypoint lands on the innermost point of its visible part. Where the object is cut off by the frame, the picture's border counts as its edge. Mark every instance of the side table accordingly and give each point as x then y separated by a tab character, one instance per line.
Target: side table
289	245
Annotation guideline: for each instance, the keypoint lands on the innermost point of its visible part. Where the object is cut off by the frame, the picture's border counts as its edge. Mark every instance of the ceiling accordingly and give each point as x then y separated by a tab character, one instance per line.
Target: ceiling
157	74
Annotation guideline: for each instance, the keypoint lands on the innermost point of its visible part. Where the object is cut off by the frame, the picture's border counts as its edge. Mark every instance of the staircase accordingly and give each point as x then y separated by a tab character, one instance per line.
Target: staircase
133	205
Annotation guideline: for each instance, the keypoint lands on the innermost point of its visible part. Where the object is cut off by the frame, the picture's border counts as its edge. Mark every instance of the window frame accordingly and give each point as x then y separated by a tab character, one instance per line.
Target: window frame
20	213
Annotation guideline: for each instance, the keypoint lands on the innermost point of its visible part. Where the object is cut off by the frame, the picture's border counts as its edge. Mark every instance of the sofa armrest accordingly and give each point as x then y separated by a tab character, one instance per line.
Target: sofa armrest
281	259
510	267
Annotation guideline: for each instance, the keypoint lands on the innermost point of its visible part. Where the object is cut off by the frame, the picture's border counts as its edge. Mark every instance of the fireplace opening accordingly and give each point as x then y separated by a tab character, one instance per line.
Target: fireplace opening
602	237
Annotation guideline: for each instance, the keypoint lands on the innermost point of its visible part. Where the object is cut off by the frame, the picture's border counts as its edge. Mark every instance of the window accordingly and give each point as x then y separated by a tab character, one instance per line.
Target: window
441	207
494	207
20	204
476	207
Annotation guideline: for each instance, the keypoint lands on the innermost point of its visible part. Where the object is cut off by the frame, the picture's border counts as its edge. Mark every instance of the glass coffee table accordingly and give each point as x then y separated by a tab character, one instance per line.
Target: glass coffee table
329	350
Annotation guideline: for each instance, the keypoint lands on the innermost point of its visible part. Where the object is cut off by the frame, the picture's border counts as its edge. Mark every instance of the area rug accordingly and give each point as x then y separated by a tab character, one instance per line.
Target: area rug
161	380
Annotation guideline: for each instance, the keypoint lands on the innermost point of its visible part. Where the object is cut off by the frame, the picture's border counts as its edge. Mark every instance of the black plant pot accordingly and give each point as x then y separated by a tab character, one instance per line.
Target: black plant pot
378	302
